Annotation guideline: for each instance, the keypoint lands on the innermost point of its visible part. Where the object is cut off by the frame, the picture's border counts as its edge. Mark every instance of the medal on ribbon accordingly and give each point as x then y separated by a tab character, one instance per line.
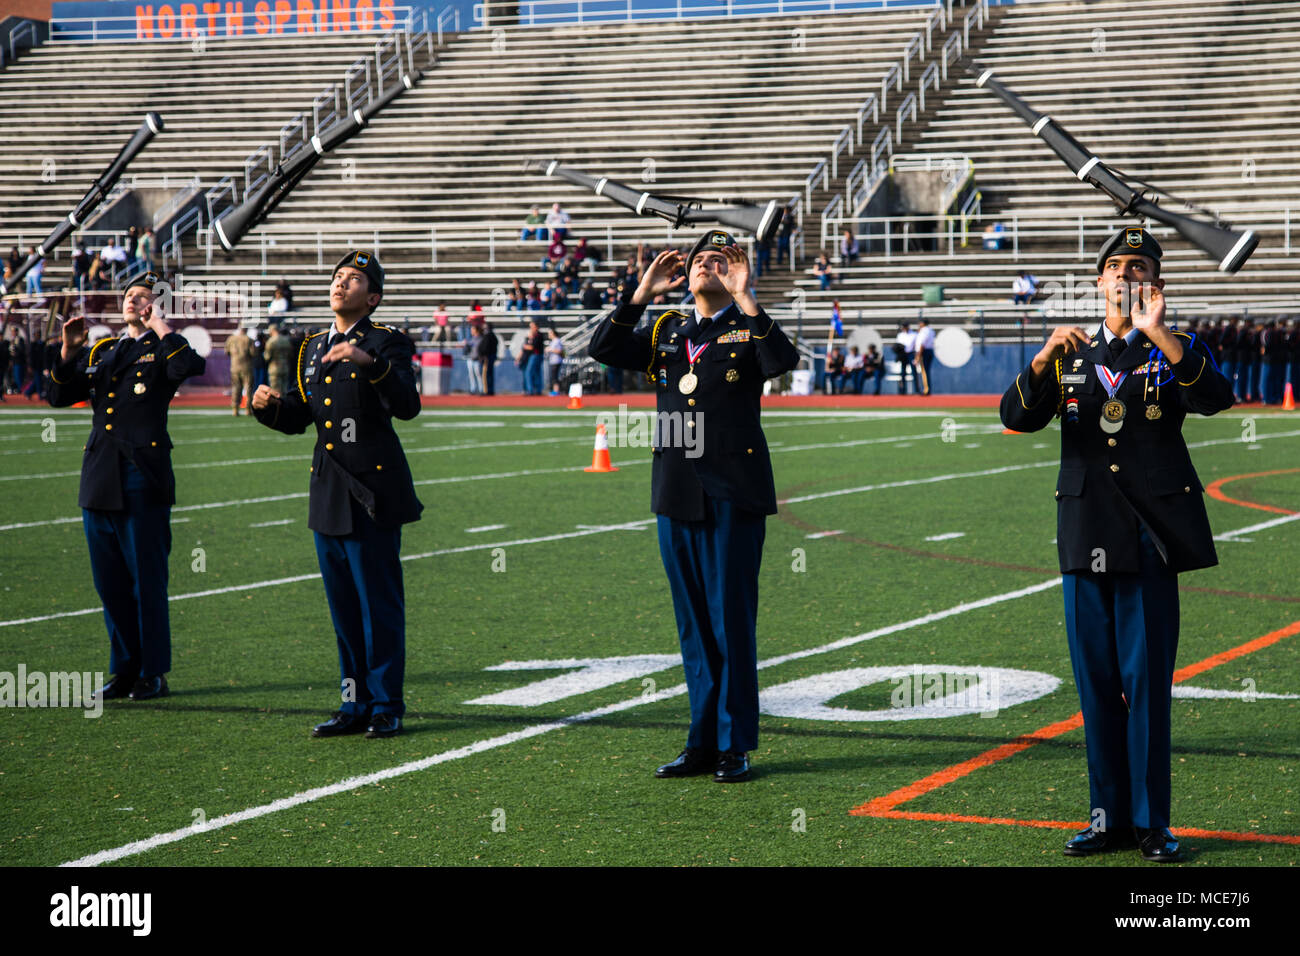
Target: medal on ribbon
689	382
1114	410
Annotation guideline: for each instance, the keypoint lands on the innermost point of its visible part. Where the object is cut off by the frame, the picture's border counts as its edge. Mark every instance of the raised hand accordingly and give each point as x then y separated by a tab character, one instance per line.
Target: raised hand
74	336
1065	340
1148	307
347	351
658	277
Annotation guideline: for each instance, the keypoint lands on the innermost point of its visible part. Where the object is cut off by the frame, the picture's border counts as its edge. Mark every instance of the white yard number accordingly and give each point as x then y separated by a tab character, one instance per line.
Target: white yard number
921	692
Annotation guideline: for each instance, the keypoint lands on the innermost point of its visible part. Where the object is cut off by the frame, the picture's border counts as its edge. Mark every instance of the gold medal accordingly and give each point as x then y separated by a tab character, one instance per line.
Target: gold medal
687	383
139	388
732	375
1112	416
1153	412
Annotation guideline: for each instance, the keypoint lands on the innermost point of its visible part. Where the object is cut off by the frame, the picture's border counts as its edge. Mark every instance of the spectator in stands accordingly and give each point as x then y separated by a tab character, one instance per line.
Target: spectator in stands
557	220
568	274
873	365
554	361
144	254
905	353
848	247
854	368
555	254
486	354
553	296
129	246
80	265
15	261
534	226
33	277
993	238
783	238
591	296
282	286
822	270
279	304
924	354
515	300
762	258
112	254
583	253
97	276
1023	289
835	371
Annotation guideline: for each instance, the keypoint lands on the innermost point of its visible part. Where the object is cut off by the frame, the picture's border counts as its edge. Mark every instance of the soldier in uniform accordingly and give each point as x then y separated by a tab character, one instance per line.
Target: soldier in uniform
350	383
279	356
711	483
127	485
240	349
1130	517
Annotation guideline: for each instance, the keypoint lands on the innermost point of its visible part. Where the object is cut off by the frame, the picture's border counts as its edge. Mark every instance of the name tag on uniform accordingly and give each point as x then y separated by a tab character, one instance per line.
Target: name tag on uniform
740	335
1079	379
309	370
670	348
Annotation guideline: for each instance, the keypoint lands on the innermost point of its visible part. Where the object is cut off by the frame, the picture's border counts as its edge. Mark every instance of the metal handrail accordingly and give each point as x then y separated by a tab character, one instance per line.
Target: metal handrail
332	117
931	74
842	142
213	196
977	12
874	104
180	196
949	54
299	123
893	75
877	147
452	13
254	162
187	223
908	102
819	170
349	95
913	44
536	13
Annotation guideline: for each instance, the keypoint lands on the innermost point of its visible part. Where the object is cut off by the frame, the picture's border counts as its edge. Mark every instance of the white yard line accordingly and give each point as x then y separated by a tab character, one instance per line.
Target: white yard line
502	740
1235	535
911	482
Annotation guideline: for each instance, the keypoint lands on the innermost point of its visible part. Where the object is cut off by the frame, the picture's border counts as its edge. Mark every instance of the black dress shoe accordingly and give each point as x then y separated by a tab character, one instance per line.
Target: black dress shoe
1158	846
340	724
117	687
147	688
1090	841
731	768
384	725
691	762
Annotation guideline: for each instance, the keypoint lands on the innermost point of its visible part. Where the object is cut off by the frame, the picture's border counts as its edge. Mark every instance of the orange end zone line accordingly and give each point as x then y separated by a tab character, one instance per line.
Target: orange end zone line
1216	491
1191	832
887	806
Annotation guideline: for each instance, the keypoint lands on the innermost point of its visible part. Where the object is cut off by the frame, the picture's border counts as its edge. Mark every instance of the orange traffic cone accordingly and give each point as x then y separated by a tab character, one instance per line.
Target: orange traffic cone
600	455
1288	399
575	395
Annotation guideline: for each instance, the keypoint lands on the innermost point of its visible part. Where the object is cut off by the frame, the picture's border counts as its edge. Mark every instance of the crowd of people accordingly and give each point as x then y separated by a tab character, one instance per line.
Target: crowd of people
1259	359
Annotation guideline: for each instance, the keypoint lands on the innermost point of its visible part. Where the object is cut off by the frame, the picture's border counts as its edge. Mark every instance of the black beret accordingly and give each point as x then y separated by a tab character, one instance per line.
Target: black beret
1129	241
368	263
141	277
714	239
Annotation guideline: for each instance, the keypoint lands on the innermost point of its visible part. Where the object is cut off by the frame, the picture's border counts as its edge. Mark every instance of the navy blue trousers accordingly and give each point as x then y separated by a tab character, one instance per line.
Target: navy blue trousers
1123	634
128	561
712	570
363	582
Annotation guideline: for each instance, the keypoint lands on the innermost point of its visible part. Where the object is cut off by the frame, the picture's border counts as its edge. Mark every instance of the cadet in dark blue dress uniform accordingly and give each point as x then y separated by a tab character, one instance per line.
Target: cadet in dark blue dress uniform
1130	517
127	485
711	483
351	382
